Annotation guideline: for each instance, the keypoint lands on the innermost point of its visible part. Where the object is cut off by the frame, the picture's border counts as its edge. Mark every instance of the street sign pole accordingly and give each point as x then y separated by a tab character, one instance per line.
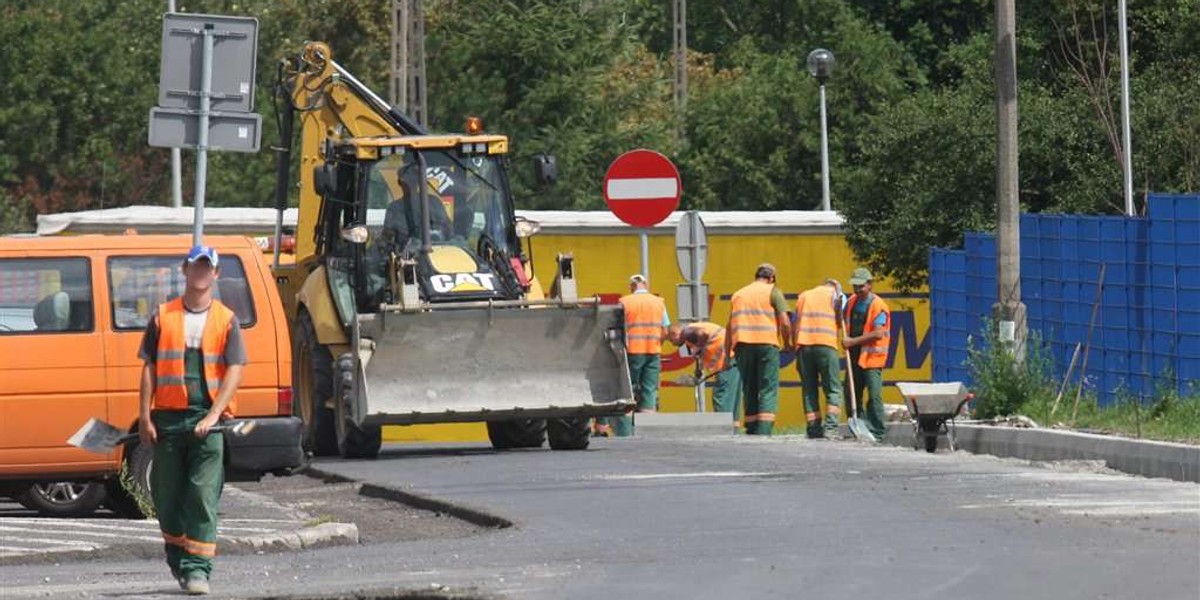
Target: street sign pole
691	253
202	139
176	156
645	239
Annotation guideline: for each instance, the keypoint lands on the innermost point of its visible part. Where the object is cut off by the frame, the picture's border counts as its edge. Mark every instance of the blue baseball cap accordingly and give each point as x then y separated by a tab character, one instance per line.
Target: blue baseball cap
203	252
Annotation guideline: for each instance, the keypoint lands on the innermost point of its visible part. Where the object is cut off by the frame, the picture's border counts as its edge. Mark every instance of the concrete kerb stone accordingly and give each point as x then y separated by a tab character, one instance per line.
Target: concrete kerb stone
415	500
316	536
304	537
675	424
1146	458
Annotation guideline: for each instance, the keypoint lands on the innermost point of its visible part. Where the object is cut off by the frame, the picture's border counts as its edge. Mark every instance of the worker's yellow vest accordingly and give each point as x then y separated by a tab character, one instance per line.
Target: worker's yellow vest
752	318
170	390
816	321
713	356
874	354
644	323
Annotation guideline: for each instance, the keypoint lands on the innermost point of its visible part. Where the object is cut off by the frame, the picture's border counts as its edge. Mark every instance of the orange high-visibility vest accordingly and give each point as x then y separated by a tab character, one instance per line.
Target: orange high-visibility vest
713	357
873	354
170	391
816	321
644	323
752	318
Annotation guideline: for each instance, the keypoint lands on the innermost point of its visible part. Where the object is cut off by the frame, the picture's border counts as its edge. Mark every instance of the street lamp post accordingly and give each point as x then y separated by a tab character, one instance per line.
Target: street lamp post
820	65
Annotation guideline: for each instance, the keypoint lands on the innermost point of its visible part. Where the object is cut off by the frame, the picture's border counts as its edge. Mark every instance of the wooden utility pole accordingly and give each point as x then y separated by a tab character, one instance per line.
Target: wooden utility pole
1009	310
406	85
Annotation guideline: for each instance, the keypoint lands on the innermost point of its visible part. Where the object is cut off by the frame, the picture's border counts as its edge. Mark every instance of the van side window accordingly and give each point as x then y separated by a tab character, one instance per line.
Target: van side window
139	284
45	295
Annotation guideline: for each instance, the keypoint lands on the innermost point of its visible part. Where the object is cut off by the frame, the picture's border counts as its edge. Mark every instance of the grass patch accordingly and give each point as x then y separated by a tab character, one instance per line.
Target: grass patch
1168	416
1004	387
135	491
319	520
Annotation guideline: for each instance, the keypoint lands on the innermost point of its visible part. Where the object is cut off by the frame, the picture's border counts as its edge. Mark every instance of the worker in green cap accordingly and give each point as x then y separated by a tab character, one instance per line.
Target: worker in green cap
868	339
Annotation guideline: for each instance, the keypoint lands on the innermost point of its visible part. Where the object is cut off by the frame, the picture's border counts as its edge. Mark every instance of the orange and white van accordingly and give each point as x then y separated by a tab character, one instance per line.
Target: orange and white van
73	310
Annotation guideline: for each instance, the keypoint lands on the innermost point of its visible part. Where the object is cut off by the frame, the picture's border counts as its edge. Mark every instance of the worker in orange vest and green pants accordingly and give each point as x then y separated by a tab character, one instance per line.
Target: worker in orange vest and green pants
646	324
818	320
706	341
758	322
869	340
194	356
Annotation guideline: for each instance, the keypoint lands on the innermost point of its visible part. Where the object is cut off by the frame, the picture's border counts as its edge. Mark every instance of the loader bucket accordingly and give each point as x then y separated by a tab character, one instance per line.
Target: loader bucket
490	364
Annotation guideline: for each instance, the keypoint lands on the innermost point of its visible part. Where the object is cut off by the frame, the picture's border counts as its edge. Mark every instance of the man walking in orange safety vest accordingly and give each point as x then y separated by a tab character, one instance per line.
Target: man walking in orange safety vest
646	324
818	320
757	322
194	356
869	338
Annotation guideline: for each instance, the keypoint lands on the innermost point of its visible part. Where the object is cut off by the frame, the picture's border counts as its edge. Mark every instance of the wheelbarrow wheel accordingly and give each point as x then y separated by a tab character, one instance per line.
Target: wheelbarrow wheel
929	430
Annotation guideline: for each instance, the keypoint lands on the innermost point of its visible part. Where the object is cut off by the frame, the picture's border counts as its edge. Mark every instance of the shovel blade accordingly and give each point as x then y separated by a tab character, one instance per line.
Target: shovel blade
96	436
860	430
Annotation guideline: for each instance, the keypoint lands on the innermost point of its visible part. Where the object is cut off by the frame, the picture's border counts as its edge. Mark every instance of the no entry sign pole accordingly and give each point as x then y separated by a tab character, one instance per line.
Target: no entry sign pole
645	235
642	188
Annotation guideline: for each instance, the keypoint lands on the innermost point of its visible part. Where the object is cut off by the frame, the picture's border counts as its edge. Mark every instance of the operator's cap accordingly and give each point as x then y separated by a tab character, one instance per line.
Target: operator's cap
861	275
203	252
639	278
764	270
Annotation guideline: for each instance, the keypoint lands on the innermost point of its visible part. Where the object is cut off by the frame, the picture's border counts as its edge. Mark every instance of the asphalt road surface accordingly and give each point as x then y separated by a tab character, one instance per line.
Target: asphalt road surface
732	518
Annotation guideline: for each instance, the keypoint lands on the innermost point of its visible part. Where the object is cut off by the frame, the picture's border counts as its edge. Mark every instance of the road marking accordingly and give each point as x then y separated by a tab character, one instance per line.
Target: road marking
704	475
119	536
139	526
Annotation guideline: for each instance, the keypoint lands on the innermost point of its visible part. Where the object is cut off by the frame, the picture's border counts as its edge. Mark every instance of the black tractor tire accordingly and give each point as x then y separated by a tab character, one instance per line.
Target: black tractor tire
569	434
354	441
63	498
517	433
312	376
139	461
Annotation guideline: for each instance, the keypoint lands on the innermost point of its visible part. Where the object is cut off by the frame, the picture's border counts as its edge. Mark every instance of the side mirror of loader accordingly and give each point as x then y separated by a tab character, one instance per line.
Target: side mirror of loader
545	169
324	179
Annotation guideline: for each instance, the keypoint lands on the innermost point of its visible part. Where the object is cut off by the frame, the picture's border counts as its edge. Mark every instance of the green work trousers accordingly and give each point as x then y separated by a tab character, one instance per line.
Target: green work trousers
819	369
185	484
872	407
727	393
644	371
759	368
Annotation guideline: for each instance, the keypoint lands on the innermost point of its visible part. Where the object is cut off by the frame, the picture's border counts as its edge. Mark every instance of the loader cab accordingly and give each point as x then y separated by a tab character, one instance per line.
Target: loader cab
449	210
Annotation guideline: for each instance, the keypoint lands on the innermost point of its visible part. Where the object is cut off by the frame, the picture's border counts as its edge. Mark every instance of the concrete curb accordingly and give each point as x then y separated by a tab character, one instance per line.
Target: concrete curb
469	514
1180	462
657	425
317	536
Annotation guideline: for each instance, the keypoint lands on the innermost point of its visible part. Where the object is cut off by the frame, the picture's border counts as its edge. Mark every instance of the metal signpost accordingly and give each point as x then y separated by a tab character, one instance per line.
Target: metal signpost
203	106
691	254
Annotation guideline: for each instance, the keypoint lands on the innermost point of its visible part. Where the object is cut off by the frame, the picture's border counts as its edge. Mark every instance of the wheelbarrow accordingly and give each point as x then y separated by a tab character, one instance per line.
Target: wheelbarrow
932	408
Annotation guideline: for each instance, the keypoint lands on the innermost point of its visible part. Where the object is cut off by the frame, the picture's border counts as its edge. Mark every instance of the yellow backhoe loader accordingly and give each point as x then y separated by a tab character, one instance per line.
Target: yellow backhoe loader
411	297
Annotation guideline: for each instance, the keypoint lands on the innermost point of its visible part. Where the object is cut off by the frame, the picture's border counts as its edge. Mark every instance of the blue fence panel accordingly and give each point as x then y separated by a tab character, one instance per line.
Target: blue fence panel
1148	321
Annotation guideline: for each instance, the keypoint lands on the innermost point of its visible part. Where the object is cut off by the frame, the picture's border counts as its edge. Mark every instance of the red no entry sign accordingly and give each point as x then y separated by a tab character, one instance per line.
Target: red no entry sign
642	188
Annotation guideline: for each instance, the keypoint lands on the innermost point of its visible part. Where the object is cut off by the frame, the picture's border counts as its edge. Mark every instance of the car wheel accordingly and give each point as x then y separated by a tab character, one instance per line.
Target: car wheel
63	498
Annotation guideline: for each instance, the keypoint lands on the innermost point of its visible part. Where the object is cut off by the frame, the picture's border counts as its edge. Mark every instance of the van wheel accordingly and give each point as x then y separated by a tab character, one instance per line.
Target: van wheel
518	433
63	498
139	461
312	376
353	441
569	434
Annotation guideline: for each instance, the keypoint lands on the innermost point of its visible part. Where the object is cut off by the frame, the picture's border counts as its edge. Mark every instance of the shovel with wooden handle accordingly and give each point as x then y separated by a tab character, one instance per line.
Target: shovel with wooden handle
100	437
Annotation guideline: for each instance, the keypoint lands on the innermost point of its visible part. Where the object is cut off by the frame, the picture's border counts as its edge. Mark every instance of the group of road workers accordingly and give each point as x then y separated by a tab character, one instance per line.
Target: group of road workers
743	356
193	356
